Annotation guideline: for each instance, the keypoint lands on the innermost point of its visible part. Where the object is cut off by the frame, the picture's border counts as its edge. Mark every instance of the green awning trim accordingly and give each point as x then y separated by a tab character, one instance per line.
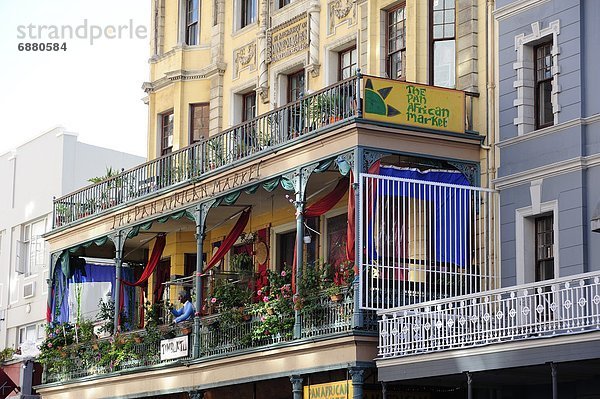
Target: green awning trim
287	184
323	166
271	184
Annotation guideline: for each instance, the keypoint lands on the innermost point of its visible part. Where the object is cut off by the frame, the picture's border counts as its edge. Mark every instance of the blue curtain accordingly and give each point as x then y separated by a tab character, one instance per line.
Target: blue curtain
82	274
451	209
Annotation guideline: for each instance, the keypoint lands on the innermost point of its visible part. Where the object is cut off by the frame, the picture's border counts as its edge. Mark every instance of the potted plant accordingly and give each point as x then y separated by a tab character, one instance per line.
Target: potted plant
334	292
241	262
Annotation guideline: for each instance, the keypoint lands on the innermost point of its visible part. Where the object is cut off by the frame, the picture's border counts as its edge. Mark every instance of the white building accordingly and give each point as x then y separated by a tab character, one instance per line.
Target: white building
48	166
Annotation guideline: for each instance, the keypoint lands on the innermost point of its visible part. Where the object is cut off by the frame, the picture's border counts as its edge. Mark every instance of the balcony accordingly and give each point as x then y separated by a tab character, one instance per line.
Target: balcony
542	310
313	115
224	334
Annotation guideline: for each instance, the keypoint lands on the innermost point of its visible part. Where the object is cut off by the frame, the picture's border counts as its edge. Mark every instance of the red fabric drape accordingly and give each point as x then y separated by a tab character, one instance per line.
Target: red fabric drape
231	238
319	208
157	251
350	253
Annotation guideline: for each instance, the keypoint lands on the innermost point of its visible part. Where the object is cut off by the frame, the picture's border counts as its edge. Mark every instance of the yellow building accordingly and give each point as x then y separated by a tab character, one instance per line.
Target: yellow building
264	117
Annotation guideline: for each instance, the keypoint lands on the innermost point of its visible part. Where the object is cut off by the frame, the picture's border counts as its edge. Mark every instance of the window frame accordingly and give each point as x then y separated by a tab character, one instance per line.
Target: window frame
541	242
433	40
32	248
283	3
193	107
538	83
401	50
192	27
247	19
341	67
166	149
245	98
299	75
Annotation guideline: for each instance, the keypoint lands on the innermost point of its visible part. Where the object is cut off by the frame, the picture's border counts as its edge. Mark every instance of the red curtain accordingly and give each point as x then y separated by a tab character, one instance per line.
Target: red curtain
157	251
350	253
319	208
229	240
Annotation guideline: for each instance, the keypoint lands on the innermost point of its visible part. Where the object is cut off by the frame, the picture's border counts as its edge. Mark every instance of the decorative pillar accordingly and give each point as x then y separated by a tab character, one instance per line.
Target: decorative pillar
314	15
263	76
181	26
554	380
118	239
469	385
296	381
383	390
200	213
358	379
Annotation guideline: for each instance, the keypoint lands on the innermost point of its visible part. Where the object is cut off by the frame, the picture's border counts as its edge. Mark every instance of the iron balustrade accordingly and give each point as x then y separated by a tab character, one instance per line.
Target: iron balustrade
549	308
424	241
309	115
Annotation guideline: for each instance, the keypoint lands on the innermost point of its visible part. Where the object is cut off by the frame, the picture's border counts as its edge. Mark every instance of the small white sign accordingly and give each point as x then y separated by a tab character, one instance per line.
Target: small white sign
174	348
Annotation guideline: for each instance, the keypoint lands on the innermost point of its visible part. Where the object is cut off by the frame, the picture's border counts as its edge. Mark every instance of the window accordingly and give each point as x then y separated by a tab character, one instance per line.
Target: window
31	248
285	249
248	106
544	248
336	239
248	12
200	117
166	133
283	3
191	33
28	333
295	86
347	63
543	85
396	43
443	57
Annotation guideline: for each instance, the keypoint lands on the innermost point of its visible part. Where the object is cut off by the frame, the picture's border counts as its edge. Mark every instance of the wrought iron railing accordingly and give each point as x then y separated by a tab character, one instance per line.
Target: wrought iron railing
312	113
425	241
218	336
546	309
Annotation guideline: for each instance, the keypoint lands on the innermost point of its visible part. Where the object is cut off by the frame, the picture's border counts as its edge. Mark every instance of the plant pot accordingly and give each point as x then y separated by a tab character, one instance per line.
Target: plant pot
336	297
138	340
186	331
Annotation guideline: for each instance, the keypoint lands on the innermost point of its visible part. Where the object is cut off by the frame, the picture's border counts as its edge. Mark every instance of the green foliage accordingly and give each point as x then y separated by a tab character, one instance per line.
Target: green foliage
106	314
109	173
6	354
241	262
229	295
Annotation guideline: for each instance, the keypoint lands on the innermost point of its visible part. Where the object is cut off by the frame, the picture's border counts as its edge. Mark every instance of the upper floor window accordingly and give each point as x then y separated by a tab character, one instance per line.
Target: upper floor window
347	64
443	54
199	117
192	23
31	254
543	85
248	12
248	106
295	86
544	248
283	3
166	133
396	43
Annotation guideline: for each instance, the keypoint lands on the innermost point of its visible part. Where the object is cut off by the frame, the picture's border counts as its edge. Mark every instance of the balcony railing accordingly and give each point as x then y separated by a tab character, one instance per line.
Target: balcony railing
425	241
311	114
274	129
219	336
546	309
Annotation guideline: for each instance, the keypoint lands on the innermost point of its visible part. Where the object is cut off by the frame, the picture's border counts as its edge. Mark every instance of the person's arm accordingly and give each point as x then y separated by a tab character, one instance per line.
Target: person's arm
177	312
186	312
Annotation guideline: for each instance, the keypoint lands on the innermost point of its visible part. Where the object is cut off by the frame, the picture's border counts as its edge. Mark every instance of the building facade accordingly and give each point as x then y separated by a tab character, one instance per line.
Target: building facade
537	335
26	214
264	117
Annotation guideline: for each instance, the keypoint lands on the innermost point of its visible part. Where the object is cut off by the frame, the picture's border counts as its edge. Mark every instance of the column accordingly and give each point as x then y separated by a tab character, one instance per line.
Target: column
296	381
314	13
299	204
200	213
358	379
357	314
469	385
118	238
554	380
263	77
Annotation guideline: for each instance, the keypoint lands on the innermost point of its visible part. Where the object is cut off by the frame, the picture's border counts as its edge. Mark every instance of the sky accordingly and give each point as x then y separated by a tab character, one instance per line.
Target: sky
93	88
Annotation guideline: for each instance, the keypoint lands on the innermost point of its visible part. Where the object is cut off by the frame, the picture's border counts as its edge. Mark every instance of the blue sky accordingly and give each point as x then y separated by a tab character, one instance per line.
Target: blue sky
93	90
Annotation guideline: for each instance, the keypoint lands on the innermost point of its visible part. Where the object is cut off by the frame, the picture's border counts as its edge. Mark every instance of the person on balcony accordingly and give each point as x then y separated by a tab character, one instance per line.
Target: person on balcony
187	311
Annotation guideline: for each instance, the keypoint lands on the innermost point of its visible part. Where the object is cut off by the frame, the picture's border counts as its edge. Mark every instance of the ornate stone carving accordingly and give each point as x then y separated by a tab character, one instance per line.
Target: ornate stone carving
244	57
340	11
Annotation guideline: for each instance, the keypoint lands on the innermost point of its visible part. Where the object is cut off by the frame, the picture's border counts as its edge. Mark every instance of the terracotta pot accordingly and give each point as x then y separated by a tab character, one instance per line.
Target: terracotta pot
336	297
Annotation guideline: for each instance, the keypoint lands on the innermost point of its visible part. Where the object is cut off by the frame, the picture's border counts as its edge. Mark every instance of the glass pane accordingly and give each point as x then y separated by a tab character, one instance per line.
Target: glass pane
438	17
449	4
449	16
444	64
438	31
545	116
438	4
449	30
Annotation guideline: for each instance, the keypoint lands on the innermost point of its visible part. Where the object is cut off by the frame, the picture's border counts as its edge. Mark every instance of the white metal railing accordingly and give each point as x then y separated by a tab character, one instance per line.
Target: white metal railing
549	308
424	241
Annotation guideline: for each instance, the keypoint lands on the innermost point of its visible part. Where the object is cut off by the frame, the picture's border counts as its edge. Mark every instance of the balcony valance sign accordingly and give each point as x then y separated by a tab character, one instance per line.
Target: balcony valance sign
412	104
449	203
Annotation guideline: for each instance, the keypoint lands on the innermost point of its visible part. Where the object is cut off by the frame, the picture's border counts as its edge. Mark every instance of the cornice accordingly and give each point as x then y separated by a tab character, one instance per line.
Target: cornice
516	7
183	75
